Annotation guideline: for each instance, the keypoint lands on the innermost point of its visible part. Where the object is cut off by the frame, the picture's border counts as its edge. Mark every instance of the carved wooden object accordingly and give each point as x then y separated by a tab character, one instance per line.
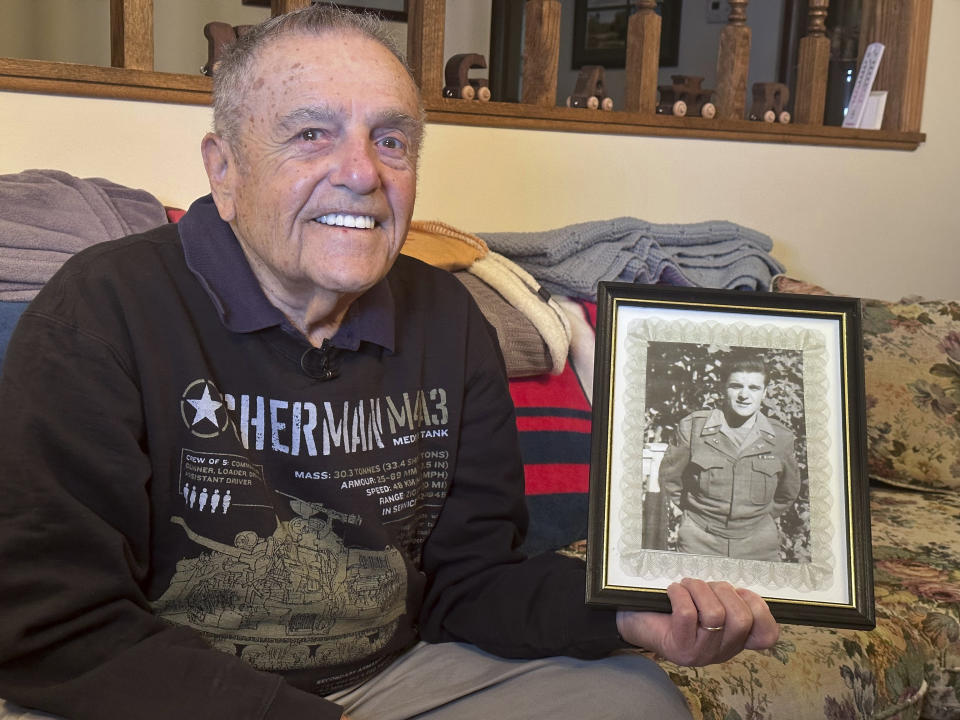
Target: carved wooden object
903	26
686	96
770	102
733	64
813	61
219	35
589	91
643	58
541	52
457	81
131	34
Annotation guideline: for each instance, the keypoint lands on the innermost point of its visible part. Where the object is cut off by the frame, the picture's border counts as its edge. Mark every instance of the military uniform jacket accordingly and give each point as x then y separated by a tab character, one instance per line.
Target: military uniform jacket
729	489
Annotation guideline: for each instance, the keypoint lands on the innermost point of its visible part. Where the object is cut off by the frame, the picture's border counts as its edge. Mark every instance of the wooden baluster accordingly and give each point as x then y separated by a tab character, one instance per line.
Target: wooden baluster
131	34
643	58
813	60
733	64
425	19
541	52
903	26
279	7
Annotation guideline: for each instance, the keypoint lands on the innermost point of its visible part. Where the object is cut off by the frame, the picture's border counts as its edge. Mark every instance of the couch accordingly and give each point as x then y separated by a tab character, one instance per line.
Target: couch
909	665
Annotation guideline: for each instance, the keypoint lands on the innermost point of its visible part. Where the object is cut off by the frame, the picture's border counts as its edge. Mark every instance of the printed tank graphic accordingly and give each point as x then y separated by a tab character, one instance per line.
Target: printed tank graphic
296	599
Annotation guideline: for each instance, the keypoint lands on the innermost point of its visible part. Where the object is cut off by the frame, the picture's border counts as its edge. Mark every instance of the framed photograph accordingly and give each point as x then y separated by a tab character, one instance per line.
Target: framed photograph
600	33
728	444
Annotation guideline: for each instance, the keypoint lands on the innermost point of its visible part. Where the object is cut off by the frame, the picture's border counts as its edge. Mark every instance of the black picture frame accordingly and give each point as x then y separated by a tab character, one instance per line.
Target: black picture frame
660	352
600	33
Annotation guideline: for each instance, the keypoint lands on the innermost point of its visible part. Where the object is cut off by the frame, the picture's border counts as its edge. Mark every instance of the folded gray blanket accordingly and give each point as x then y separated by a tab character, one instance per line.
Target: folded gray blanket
48	215
572	260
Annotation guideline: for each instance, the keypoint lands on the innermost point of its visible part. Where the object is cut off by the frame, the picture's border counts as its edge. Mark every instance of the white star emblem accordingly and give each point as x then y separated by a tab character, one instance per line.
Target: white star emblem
206	407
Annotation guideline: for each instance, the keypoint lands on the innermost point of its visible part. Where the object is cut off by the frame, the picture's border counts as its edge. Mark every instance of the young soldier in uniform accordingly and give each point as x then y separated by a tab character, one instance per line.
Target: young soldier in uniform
733	471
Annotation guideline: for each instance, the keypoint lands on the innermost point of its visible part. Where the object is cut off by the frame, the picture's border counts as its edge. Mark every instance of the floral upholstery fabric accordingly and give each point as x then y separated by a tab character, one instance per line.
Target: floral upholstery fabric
916	555
912	373
908	667
912	378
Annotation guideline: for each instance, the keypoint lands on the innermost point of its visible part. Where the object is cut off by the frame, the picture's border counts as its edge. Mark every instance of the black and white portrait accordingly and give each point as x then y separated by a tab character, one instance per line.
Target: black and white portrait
725	439
726	447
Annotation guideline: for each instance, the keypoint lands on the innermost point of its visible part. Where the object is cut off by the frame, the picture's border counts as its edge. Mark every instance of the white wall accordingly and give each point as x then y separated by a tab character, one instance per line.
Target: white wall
876	223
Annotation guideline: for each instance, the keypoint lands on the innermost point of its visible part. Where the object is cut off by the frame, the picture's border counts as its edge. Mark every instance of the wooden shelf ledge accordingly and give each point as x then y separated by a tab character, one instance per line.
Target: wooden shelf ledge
126	84
94	81
529	117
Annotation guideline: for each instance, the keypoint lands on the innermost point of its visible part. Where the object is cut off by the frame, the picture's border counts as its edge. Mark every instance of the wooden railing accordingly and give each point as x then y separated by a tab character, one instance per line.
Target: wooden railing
902	25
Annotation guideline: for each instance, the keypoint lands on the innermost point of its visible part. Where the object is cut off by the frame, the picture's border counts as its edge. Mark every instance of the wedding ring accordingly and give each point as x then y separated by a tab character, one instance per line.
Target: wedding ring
717	628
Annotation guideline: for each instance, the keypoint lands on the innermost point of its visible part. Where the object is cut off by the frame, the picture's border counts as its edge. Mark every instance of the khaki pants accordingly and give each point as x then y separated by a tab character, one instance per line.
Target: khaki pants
453	681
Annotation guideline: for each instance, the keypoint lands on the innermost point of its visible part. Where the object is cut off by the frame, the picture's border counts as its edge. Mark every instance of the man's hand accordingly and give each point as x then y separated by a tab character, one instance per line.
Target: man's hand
710	623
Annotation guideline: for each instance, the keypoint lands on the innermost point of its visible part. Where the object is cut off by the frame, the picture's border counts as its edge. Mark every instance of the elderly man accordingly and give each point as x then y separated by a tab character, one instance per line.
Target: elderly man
733	471
251	460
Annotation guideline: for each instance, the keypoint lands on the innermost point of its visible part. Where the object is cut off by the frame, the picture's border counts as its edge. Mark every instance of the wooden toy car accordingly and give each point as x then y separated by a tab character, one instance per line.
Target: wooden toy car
686	96
769	102
219	35
588	92
458	84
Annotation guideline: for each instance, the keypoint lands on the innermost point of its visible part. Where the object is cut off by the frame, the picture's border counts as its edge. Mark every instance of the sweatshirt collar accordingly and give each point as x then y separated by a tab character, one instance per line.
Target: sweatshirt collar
215	257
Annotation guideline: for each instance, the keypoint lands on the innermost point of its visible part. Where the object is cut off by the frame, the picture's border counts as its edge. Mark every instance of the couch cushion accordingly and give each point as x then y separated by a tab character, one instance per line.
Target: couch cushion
912	377
912	355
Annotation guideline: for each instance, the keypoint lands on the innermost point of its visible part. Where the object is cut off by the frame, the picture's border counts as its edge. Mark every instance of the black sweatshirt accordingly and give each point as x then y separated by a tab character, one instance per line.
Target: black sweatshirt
203	515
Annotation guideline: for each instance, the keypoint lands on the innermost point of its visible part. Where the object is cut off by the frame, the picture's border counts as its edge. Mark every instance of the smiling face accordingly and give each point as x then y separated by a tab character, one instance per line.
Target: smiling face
319	185
744	393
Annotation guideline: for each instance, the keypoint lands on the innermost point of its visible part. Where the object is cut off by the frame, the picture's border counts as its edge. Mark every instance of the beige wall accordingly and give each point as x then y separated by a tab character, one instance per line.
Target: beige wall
81	33
866	222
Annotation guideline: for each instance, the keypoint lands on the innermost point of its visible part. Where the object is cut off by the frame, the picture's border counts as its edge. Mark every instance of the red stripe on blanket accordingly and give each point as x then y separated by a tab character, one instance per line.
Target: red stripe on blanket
549	391
591	309
558	478
551	404
541	423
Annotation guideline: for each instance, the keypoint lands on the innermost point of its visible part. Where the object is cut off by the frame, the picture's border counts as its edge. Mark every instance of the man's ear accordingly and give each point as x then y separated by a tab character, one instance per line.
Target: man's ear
221	165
